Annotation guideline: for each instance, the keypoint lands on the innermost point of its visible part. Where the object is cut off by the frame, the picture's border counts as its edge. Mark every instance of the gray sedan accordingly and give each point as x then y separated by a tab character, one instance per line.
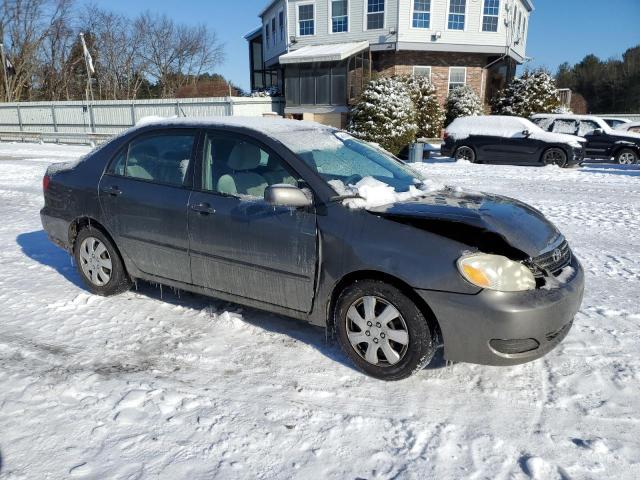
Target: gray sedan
279	215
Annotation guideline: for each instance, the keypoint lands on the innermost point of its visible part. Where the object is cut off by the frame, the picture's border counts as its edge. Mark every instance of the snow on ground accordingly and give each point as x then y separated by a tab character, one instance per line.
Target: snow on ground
152	384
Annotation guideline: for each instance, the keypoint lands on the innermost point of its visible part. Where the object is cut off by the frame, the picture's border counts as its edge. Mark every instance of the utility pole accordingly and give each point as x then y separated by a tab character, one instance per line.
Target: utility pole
4	69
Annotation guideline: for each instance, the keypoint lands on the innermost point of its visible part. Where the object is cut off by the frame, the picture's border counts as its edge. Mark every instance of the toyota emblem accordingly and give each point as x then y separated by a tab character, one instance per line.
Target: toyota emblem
557	255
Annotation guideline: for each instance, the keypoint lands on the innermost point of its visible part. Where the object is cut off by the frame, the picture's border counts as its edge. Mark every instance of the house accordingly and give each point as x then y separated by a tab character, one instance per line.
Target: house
320	53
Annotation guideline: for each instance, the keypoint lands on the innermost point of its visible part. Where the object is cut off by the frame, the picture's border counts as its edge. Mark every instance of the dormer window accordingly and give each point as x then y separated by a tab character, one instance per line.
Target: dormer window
306	20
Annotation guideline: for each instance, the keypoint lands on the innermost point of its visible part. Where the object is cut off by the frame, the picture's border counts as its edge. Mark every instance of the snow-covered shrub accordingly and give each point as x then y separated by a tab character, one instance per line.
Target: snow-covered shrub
429	113
533	92
563	109
462	102
385	114
266	92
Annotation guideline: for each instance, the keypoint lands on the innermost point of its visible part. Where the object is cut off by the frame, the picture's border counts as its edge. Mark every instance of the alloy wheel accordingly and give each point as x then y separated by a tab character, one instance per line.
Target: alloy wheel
95	261
465	153
377	331
555	156
626	158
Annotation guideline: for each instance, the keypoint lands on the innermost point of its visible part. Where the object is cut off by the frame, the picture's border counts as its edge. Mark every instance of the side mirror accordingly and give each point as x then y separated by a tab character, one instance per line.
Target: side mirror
598	131
283	195
526	133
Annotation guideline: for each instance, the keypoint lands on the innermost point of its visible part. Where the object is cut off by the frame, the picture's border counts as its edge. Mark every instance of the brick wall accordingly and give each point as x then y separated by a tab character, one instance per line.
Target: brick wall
402	63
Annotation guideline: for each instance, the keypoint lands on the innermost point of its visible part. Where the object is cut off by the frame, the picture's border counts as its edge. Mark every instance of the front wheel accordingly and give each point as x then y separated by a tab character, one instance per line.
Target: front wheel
626	156
465	152
555	156
383	331
99	263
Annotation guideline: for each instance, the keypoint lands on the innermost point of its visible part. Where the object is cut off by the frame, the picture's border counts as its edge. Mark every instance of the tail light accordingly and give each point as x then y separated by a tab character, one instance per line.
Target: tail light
45	183
445	135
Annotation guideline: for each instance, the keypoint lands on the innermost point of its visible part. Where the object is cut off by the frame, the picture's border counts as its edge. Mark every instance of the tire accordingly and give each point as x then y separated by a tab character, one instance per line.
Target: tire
380	309
94	253
465	152
555	156
626	156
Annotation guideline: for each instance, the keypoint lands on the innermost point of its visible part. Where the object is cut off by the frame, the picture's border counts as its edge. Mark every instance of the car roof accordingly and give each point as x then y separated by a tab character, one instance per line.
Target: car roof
571	116
274	127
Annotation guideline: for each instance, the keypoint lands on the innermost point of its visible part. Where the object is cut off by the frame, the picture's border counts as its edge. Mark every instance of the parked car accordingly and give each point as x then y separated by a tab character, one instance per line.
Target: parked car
602	141
512	140
615	122
633	127
254	211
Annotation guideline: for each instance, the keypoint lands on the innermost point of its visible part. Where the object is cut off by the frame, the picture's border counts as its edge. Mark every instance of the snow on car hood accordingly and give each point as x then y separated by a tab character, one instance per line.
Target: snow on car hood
492	223
551	137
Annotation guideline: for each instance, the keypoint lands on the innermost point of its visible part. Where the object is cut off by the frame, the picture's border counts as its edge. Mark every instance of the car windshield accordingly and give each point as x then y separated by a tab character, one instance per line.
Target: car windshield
339	156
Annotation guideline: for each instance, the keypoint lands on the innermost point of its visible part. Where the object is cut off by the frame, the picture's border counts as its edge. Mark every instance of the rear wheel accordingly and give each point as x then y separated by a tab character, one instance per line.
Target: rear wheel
383	331
465	152
555	156
99	263
626	156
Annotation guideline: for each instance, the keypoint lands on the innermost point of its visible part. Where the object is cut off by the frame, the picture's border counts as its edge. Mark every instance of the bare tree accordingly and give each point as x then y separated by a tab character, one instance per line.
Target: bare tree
25	25
176	54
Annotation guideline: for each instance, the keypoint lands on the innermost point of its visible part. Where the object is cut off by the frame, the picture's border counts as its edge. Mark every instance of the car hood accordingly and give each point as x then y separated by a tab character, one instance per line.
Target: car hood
629	136
491	223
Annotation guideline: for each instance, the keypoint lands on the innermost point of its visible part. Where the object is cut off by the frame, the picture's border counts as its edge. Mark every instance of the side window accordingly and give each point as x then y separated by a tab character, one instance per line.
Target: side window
240	167
160	158
564	126
587	127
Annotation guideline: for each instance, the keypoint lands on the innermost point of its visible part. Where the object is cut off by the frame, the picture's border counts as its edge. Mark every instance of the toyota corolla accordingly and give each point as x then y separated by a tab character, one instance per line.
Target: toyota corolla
306	221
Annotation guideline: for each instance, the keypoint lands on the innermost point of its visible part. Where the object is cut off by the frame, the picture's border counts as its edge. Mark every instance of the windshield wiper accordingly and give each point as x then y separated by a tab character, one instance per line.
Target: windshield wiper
339	198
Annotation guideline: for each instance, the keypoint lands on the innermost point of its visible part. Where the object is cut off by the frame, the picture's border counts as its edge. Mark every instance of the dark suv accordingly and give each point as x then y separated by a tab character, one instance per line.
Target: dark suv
602	141
304	220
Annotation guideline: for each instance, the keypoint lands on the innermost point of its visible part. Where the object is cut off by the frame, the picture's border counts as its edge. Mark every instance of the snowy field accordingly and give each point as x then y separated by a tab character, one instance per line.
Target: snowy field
155	385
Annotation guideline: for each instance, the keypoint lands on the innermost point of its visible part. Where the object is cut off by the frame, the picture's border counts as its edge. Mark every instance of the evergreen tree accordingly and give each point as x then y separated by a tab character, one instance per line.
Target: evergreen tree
533	92
429	114
385	114
462	102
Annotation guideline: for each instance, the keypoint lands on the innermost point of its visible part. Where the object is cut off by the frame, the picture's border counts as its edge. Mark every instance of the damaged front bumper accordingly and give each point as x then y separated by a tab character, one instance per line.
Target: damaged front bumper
506	328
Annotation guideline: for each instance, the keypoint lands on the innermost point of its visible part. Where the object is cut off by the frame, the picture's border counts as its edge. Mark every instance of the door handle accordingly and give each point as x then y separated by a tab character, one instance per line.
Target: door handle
203	209
112	190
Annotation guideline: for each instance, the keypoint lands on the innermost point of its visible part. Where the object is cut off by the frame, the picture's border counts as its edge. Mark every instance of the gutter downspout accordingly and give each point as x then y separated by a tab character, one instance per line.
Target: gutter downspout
398	26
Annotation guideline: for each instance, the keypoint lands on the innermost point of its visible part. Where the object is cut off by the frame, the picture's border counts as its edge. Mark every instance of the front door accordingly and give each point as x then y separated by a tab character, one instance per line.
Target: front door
145	195
598	143
239	243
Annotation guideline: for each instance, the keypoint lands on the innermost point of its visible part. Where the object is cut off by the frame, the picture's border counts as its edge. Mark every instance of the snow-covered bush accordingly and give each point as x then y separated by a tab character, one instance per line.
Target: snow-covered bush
385	114
429	113
462	102
533	92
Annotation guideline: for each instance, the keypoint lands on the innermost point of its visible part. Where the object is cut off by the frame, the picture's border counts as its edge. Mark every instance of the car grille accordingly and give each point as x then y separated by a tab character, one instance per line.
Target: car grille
552	261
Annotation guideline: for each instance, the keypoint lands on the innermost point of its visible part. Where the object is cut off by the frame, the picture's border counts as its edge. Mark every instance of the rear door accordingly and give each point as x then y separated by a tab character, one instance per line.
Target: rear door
144	196
240	244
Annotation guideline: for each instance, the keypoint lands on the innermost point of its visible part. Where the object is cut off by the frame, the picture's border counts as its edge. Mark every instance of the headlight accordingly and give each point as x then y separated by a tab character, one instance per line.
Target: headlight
496	272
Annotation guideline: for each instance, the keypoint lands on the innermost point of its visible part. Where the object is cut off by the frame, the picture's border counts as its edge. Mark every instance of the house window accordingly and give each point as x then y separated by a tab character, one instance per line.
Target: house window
267	35
457	77
375	14
524	27
490	15
419	71
281	24
306	20
457	10
339	16
421	13
519	23
273	30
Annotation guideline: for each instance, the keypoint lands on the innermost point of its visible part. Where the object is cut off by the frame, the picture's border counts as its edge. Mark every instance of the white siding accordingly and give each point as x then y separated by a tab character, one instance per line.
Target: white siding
356	33
280	46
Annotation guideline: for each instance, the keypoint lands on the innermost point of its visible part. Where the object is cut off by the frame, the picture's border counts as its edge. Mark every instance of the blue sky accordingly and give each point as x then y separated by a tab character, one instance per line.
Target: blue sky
560	30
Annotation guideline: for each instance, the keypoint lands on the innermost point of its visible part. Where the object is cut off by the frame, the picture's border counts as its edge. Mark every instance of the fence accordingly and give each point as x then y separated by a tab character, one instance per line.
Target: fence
101	119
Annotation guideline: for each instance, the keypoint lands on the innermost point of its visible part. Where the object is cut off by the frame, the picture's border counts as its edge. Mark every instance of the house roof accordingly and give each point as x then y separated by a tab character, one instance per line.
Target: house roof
324	53
529	5
253	33
267	7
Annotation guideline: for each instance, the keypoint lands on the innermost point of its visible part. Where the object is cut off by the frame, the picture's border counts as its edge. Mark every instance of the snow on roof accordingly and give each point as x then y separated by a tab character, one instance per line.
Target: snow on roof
324	53
572	116
275	127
